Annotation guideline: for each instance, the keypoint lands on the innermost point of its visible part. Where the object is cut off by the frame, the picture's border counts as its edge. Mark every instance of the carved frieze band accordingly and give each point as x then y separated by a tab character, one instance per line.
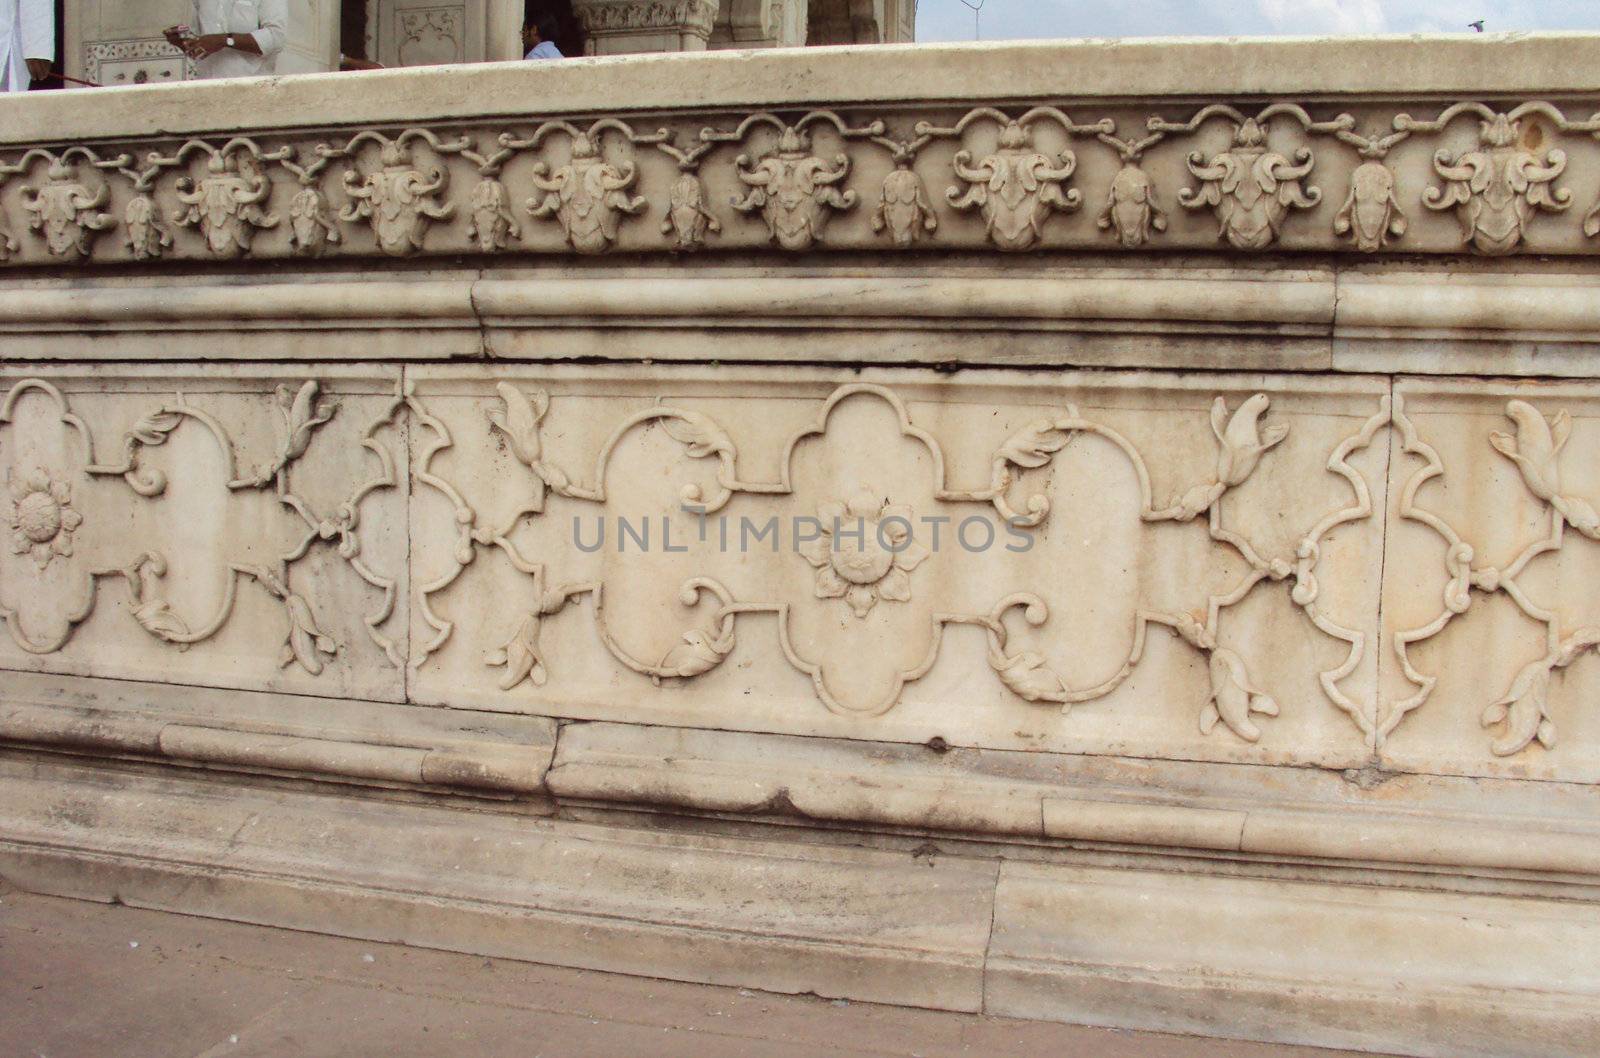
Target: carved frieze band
1494	171
885	562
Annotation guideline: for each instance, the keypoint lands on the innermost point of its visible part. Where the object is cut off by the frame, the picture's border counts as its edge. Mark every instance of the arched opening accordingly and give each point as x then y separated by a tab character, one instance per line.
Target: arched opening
570	39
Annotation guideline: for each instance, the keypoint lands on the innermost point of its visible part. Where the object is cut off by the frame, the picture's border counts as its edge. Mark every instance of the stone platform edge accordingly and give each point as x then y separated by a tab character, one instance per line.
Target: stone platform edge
1155	946
1161	807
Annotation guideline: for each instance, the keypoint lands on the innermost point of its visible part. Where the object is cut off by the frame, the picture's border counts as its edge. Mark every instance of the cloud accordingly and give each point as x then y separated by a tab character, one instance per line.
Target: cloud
939	20
1324	16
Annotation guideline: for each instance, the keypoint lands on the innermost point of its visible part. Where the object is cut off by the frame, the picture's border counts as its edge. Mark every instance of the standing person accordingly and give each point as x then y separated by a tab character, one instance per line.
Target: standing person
233	38
539	36
27	42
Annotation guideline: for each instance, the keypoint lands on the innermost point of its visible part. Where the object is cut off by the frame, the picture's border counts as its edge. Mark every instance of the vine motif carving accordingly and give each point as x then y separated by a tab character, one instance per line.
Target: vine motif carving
866	554
1522	714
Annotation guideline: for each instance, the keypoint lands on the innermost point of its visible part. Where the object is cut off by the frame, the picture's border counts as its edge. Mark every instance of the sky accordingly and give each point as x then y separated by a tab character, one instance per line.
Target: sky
1015	19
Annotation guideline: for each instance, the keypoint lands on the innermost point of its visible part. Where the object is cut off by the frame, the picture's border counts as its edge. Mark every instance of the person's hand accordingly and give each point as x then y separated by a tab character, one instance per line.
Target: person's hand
38	69
209	44
174	36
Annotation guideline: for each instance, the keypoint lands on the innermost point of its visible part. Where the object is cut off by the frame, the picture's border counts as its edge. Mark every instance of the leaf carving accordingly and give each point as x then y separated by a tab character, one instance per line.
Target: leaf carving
696	430
1032	446
154	428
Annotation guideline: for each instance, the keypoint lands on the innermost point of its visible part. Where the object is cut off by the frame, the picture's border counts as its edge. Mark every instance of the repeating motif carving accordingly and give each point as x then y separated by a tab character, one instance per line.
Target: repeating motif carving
1521	715
1016	187
44	518
1496	189
867	556
66	211
588	196
789	186
1254	189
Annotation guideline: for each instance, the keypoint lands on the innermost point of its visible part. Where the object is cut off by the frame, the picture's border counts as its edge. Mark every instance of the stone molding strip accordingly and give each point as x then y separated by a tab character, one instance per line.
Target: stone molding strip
1314	319
348	741
770	777
758	775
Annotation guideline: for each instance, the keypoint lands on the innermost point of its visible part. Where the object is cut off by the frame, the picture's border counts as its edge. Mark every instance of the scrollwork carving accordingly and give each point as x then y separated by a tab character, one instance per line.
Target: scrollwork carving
1017	186
792	188
399	199
1496	189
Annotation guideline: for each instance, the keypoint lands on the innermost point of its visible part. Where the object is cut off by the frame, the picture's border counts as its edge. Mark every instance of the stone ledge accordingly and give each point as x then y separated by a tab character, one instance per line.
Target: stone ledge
325	738
1166	807
1296	962
1314	319
857	924
1471	64
1312	961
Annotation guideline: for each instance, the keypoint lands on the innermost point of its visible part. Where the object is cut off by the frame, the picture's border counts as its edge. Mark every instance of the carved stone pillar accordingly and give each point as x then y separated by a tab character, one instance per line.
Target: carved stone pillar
619	27
861	22
760	24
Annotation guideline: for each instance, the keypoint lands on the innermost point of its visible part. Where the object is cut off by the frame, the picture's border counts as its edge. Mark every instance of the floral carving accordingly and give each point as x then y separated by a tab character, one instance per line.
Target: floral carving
1250	187
588	196
1496	189
311	226
493	226
1015	188
1233	697
1131	212
865	552
42	517
688	218
225	203
66	211
1240	441
399	200
147	236
1370	214
793	189
903	207
519	422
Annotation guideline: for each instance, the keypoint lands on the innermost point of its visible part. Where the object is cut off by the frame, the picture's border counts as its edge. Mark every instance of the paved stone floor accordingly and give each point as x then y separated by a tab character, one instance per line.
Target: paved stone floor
83	980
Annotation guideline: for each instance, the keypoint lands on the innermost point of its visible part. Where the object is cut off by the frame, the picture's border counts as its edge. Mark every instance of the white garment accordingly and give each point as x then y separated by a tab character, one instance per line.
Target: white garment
265	20
27	31
545	49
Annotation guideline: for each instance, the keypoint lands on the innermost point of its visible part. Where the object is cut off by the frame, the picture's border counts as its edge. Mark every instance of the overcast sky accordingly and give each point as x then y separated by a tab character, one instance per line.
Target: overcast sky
1010	19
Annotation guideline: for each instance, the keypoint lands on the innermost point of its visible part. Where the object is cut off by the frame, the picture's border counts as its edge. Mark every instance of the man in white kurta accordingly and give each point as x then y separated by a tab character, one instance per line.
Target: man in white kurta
27	42
234	38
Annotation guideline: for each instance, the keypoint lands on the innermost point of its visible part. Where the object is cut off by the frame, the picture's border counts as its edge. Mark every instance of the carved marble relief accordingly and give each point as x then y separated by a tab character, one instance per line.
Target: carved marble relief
1183	569
831	179
182	586
1520	550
